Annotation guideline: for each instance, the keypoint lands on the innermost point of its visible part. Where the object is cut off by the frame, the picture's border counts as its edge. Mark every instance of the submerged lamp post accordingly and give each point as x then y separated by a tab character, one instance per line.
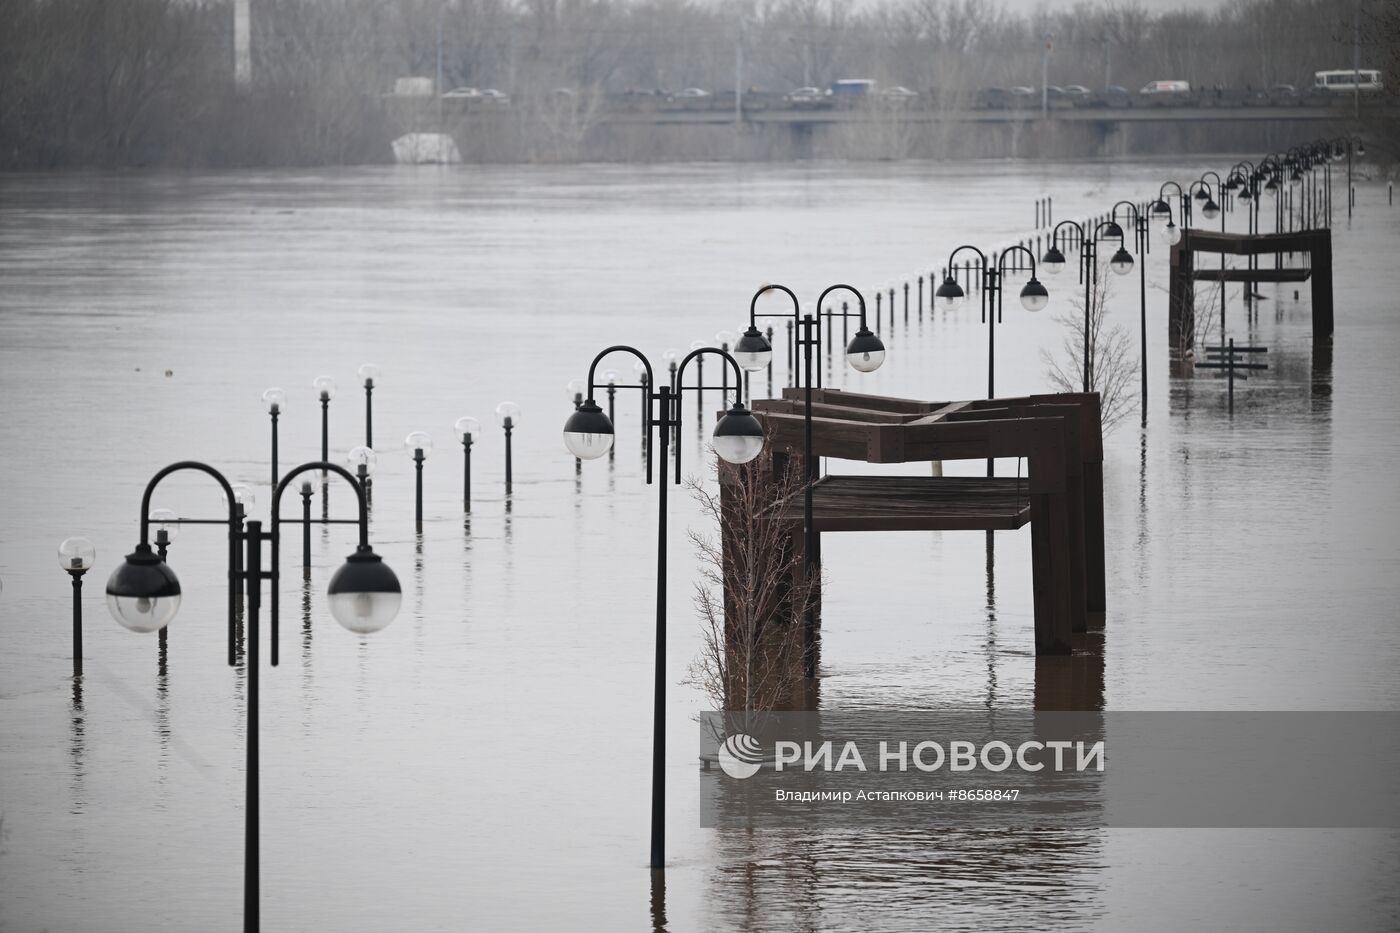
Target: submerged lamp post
76	556
143	594
368	372
1121	262
363	459
167	524
1141	240
466	429
274	400
738	438
1033	295
864	353
418	443
508	415
325	390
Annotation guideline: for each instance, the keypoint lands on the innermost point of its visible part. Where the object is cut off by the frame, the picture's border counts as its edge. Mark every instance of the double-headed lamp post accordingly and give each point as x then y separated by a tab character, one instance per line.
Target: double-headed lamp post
1121	262
865	353
737	437
143	594
1034	297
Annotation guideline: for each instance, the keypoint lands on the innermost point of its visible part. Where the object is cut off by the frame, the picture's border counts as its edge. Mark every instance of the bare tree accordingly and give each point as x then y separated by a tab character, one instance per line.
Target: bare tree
1113	363
752	594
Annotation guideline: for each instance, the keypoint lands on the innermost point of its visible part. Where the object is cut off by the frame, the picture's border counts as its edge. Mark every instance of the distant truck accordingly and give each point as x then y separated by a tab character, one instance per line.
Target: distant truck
413	87
852	86
1167	87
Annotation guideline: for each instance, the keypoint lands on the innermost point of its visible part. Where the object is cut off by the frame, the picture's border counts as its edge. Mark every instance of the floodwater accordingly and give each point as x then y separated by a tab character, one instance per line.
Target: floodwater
484	762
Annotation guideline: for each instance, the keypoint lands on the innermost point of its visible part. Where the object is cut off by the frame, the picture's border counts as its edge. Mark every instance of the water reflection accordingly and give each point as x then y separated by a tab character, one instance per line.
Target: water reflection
658	900
77	746
991	643
898	880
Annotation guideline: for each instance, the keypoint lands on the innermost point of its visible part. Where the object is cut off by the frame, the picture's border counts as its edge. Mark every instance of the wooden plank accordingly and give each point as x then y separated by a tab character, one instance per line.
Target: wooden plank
1251	275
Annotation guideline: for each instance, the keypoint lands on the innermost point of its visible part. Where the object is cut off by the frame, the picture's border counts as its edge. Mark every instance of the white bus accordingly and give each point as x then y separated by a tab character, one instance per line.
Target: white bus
1347	80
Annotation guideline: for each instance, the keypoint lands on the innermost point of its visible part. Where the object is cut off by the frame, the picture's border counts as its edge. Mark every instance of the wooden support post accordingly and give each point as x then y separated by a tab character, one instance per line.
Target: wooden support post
1181	308
1321	260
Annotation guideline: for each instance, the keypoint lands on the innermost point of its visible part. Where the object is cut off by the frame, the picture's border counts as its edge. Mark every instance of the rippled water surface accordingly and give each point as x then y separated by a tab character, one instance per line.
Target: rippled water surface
484	762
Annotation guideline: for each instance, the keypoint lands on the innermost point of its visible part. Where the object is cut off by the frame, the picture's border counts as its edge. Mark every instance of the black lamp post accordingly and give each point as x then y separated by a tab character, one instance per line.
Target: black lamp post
1141	241
274	400
368	373
363	460
143	594
1352	146
738	438
418	443
76	556
1121	263
508	415
325	390
864	353
167	524
1161	210
466	429
1034	297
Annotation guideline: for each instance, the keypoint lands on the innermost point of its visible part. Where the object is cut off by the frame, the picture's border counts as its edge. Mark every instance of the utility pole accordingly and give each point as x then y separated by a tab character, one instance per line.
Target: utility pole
739	77
1356	61
242	46
1045	80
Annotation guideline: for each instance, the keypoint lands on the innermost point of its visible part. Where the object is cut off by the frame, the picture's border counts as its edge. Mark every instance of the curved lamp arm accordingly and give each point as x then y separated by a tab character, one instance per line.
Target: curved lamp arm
1055	233
860	299
981	257
753	303
1010	249
680	387
233	533
277	537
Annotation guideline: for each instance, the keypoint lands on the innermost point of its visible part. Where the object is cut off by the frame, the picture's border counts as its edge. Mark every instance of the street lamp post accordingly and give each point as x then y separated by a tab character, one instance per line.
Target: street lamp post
274	400
1141	241
1121	263
325	389
865	353
466	429
1034	297
738	438
508	415
76	556
368	372
364	459
143	594
419	443
167	524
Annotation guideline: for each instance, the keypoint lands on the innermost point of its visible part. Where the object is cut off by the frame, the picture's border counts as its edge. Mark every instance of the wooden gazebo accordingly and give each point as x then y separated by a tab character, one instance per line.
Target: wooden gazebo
1060	495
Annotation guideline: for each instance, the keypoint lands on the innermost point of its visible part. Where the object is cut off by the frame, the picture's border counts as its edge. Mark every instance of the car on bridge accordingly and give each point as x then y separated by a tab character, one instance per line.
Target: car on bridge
493	96
691	93
803	94
469	93
898	92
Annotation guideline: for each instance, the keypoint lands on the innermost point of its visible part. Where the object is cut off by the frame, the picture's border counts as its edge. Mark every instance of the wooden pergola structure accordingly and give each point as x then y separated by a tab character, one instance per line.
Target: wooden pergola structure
1060	496
1181	323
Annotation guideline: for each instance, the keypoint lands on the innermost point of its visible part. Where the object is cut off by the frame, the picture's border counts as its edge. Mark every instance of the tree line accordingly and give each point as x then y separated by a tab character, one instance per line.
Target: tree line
150	82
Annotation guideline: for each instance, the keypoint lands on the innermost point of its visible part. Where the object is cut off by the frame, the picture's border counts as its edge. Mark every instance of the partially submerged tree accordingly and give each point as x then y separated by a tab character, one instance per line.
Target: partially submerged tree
1113	360
752	595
